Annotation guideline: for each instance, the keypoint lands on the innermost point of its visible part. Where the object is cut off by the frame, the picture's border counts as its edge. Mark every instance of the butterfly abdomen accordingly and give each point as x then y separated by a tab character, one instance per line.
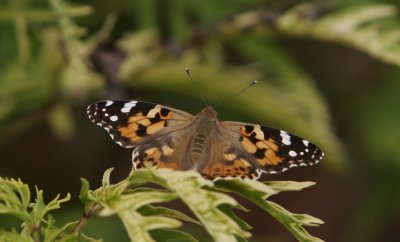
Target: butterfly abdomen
204	126
199	148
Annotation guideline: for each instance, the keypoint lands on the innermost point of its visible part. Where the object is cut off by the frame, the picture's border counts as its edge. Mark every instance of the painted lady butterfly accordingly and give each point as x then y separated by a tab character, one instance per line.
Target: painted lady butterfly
169	138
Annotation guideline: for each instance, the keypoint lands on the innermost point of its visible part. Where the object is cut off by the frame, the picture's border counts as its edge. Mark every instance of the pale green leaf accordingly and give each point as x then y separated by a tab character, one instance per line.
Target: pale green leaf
106	177
359	27
51	232
124	202
167	212
138	226
14	198
84	193
12	236
227	209
40	208
166	235
257	192
293	222
192	190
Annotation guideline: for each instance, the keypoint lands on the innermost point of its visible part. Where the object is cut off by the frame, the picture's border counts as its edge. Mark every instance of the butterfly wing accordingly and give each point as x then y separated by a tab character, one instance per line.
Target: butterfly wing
272	150
166	151
154	130
133	123
229	159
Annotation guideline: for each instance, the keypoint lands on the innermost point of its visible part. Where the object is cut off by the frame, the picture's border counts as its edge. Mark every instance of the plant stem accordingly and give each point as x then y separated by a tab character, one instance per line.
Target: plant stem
36	233
85	217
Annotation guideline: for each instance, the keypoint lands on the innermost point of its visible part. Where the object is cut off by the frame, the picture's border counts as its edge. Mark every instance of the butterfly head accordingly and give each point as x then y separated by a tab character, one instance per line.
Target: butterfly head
209	111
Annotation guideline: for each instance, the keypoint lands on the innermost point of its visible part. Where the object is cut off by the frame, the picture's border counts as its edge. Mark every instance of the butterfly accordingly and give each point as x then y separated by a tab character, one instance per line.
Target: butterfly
165	137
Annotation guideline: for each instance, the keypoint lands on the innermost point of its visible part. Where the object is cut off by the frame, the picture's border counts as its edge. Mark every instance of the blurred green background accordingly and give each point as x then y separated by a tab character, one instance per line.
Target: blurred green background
327	71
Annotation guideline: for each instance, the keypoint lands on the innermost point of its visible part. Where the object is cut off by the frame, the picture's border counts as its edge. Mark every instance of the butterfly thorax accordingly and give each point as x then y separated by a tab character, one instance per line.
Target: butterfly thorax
205	126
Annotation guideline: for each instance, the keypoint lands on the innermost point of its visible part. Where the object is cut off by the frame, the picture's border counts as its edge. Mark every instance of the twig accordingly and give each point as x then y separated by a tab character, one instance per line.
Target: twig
85	217
36	233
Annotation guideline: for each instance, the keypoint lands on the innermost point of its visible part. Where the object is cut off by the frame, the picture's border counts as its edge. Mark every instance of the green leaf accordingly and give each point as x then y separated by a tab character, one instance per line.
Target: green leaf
106	177
84	193
40	208
192	190
165	235
167	212
138	226
12	236
14	198
257	192
359	27
293	222
119	200
53	233
15	201
227	209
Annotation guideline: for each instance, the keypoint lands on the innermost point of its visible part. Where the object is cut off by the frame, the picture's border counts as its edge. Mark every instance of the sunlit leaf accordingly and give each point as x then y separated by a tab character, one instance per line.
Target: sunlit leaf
359	27
191	188
257	192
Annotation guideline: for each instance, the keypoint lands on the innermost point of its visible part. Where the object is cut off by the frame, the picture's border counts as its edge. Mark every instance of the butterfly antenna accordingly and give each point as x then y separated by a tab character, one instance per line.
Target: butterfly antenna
237	94
194	84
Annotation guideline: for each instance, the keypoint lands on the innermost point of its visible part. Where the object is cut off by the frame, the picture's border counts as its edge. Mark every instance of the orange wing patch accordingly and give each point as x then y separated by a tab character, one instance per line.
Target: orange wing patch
265	151
238	167
270	158
248	145
154	156
141	124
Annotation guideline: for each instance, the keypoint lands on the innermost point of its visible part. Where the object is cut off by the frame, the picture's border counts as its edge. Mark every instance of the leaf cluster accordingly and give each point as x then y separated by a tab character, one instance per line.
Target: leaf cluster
137	206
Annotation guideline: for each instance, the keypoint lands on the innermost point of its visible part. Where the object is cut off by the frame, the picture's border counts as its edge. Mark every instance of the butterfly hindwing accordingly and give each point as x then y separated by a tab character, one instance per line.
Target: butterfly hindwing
131	123
165	151
231	162
274	150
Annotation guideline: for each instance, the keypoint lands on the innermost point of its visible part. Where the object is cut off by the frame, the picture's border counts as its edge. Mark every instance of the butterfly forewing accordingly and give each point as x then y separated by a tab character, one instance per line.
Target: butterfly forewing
274	150
131	123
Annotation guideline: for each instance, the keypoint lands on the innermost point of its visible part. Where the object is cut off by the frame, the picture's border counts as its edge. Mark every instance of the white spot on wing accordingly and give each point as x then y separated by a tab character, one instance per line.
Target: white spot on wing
128	106
109	103
114	118
292	153
305	142
285	138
